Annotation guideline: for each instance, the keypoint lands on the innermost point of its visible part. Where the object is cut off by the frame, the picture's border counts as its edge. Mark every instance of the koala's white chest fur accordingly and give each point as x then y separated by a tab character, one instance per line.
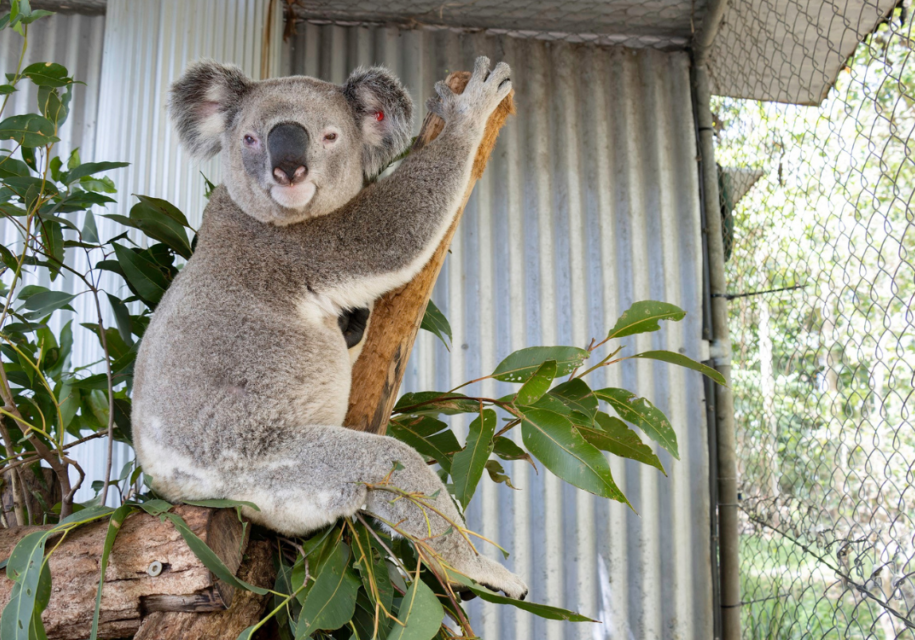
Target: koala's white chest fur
319	315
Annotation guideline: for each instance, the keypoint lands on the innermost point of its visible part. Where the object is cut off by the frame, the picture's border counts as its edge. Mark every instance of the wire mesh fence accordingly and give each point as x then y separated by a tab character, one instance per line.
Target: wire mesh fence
819	218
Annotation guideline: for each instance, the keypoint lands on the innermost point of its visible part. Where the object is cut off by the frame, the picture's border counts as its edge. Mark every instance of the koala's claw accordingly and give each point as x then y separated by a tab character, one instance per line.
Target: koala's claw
443	90
483	93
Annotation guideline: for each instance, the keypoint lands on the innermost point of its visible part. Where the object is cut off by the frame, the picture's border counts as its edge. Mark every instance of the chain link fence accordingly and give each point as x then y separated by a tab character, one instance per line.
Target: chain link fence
819	217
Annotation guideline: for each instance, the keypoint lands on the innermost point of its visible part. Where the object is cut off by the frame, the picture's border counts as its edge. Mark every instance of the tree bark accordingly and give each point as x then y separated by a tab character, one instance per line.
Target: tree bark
133	588
397	316
246	609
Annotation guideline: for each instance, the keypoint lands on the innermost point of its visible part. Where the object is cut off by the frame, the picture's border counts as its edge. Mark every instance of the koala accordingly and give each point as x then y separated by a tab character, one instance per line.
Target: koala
243	376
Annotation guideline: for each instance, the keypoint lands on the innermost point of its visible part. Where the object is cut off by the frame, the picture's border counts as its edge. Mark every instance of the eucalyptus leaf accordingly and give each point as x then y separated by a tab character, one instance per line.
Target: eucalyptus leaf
436	402
121	318
506	449
683	361
643	317
521	365
468	464
90	232
90	168
114	527
612	435
420	614
24	569
47	74
554	441
435	322
541	610
29	130
144	274
331	601
47	302
207	556
577	395
644	415
439	447
538	384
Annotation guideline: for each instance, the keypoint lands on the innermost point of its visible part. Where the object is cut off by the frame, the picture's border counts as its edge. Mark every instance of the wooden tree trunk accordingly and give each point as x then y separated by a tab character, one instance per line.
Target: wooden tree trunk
397	316
246	609
135	585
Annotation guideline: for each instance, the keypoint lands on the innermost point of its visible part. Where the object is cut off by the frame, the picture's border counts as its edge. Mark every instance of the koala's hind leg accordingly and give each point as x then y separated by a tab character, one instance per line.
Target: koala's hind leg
319	474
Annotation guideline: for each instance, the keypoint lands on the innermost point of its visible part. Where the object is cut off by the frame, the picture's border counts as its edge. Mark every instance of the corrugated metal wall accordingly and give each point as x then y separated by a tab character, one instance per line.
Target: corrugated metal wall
589	203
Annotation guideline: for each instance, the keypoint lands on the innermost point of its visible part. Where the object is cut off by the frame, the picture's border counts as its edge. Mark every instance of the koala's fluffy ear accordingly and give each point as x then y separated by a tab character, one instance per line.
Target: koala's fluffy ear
204	101
384	111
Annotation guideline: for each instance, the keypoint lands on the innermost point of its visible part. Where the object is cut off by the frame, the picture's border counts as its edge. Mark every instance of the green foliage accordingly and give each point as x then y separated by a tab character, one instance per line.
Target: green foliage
352	577
435	322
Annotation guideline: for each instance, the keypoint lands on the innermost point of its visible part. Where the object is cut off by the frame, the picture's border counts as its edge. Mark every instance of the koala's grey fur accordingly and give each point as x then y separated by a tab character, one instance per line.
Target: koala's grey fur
243	376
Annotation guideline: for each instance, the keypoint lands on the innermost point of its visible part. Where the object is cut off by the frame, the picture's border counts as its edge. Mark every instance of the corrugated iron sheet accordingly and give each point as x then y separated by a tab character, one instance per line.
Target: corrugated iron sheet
589	203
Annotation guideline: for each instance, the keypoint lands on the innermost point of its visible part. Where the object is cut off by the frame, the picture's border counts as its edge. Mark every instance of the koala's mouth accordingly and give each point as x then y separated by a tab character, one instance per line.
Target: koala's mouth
295	196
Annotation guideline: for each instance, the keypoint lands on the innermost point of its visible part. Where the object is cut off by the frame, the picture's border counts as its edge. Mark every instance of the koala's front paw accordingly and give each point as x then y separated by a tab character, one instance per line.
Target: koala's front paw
483	93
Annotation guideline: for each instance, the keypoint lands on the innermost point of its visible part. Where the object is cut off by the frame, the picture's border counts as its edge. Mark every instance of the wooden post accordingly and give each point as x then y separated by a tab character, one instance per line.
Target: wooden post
397	316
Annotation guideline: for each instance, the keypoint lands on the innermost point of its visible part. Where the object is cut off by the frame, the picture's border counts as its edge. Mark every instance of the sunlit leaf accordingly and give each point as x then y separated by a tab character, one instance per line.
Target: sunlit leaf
643	317
521	365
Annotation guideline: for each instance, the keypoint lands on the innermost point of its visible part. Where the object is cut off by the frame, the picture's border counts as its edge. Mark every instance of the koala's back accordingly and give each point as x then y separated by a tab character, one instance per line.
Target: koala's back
228	365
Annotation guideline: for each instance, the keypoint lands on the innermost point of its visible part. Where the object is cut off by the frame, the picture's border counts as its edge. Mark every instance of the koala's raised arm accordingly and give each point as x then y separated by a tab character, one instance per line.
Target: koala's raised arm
297	155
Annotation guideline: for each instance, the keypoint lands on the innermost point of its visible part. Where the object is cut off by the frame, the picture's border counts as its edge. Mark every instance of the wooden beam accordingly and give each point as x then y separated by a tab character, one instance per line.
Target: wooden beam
397	316
133	588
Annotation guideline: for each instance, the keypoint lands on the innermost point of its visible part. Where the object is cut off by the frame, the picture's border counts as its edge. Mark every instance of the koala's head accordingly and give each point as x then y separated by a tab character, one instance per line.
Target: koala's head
293	148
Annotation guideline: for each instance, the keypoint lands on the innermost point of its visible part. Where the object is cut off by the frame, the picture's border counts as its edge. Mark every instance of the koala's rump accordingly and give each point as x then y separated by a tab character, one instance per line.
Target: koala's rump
220	378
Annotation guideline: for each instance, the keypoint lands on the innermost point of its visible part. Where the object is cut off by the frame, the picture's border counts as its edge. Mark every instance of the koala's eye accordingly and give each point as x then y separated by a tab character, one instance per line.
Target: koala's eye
250	140
330	137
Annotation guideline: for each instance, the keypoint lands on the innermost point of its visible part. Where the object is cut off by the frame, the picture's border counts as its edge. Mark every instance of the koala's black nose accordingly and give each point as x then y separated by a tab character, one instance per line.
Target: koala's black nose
288	145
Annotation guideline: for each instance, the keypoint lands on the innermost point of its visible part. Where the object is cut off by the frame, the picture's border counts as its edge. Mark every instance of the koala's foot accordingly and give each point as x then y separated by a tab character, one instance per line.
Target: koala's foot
493	576
483	93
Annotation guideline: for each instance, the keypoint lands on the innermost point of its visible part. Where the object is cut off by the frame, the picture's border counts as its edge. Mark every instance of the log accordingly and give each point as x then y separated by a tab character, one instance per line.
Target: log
246	610
132	588
397	316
